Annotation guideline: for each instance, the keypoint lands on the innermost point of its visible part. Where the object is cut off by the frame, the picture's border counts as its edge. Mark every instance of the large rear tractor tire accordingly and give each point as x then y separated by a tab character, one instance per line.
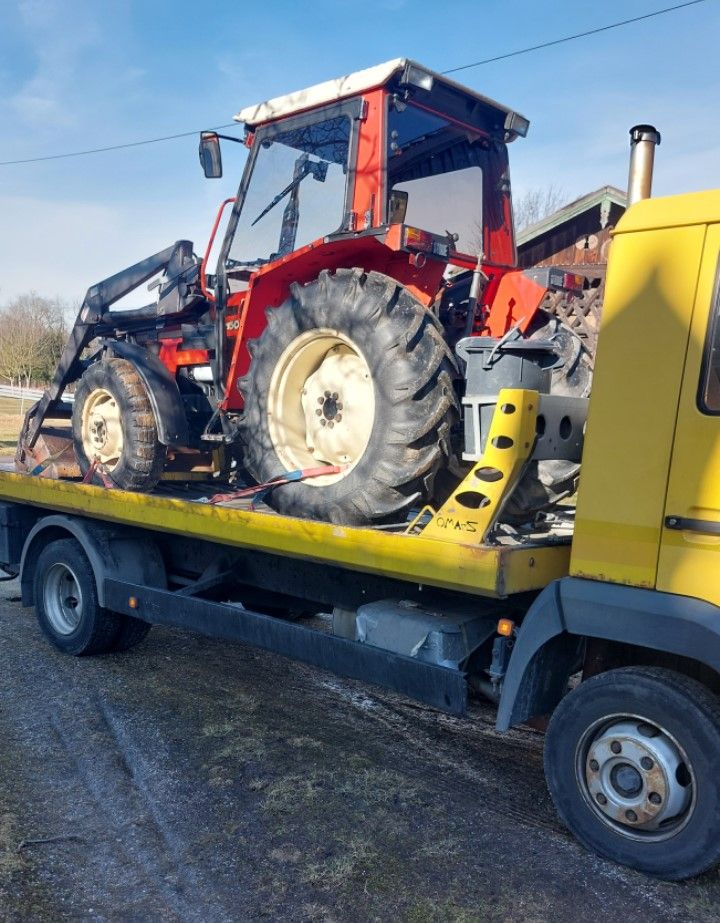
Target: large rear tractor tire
113	422
350	371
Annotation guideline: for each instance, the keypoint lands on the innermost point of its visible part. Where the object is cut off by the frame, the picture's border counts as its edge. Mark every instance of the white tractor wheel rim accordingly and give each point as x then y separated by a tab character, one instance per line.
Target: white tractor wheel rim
321	404
102	433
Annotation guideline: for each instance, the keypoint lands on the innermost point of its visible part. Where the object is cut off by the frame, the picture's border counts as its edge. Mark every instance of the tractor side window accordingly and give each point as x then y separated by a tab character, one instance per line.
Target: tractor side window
709	398
438	166
296	191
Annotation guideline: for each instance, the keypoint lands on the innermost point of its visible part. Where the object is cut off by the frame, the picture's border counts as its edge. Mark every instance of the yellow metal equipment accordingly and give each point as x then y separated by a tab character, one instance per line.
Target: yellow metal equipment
473	507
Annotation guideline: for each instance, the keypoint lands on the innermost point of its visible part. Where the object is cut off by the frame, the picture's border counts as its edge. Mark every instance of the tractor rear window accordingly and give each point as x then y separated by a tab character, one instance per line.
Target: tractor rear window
710	383
438	166
296	191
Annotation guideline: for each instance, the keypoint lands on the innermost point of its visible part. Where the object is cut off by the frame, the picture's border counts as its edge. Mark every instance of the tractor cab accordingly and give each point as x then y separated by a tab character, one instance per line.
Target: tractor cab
392	145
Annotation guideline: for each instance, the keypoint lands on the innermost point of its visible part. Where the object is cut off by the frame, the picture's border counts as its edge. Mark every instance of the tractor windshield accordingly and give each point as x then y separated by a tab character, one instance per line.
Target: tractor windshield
296	190
439	166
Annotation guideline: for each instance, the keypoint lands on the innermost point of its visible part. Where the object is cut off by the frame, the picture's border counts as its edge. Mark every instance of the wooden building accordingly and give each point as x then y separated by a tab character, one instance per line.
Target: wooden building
576	238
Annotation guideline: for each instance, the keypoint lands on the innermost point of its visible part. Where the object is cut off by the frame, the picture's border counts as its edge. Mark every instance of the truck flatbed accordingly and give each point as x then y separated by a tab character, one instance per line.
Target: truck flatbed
493	570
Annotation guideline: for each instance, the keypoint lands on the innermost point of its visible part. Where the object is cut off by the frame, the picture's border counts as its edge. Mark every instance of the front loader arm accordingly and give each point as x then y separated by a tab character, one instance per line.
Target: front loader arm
95	318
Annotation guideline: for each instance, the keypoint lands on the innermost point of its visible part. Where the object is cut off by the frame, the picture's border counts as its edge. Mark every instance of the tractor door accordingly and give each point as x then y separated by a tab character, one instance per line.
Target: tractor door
689	561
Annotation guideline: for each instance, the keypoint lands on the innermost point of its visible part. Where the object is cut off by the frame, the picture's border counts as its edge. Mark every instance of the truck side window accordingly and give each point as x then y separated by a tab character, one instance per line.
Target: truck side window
709	396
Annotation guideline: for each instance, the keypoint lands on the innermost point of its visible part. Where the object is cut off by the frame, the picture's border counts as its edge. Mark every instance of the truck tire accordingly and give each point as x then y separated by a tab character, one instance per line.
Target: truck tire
351	371
113	421
66	601
631	764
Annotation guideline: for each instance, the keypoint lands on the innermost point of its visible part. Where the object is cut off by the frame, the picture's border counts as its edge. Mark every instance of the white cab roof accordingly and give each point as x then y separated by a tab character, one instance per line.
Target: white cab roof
342	87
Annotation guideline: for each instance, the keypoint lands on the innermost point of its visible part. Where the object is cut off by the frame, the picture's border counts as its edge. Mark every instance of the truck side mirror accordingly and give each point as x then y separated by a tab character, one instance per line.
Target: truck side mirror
210	156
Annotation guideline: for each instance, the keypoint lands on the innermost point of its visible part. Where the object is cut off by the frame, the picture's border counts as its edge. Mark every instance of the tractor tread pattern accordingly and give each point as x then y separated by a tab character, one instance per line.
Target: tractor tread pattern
143	456
416	404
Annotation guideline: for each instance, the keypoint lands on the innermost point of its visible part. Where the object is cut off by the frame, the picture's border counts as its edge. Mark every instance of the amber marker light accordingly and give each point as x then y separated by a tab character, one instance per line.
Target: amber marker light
133	602
505	627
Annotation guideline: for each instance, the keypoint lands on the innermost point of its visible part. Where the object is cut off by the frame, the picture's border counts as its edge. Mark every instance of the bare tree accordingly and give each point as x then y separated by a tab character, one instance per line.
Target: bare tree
536	204
33	331
529	208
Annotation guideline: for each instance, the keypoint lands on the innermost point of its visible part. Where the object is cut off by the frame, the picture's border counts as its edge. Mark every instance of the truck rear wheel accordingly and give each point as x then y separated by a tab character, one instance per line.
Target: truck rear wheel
68	609
350	371
113	422
630	761
66	601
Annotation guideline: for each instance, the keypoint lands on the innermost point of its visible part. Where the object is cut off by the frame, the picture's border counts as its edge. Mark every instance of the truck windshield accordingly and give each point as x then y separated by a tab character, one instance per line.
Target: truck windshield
296	191
439	165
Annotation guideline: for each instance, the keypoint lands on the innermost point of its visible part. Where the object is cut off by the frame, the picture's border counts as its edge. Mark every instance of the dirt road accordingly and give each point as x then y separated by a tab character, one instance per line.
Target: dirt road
194	780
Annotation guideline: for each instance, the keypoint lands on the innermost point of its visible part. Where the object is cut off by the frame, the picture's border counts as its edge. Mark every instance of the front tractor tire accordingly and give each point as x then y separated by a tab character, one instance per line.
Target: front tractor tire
350	371
113	424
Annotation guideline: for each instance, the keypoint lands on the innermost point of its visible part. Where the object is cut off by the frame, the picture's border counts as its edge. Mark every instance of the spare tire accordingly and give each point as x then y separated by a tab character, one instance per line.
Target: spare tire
350	371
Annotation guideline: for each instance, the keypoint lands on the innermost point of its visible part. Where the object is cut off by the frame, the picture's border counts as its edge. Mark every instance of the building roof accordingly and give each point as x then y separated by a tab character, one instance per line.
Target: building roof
332	90
602	198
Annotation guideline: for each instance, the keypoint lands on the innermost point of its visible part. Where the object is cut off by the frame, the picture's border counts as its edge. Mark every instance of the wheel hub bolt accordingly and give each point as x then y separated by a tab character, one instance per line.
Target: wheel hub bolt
655	798
594	765
631	816
601	799
646	763
616	747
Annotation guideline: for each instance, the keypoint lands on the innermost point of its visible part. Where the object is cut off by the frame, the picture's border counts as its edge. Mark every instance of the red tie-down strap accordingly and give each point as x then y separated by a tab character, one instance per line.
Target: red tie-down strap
96	466
258	491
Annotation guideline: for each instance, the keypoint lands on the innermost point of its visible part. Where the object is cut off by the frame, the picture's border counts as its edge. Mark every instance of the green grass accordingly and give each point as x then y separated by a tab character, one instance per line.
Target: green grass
10	421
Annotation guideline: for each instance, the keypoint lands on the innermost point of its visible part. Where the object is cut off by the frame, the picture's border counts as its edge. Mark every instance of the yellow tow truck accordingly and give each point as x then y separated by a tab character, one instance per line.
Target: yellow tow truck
604	619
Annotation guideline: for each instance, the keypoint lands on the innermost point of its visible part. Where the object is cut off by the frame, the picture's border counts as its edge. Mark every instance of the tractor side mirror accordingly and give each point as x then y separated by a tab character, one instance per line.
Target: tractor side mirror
210	156
397	206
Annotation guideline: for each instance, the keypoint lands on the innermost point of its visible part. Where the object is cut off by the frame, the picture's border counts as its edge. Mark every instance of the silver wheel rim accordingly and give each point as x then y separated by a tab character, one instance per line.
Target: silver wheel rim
636	777
63	599
321	404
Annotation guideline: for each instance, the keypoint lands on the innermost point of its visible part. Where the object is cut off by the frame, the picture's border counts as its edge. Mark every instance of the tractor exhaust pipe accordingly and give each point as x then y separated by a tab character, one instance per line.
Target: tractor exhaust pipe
643	141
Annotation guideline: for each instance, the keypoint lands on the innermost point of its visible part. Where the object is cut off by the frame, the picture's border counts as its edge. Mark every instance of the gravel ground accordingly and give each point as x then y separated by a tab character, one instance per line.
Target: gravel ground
196	780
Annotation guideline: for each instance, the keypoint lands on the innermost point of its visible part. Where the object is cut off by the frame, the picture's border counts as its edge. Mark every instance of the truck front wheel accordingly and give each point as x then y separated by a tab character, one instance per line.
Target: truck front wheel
630	761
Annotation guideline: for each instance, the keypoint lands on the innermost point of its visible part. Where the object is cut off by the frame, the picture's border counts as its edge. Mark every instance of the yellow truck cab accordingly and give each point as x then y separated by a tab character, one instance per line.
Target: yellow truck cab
638	737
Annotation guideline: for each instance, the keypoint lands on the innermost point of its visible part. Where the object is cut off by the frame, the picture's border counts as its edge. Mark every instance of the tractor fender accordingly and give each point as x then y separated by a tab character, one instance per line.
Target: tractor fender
114	552
167	404
572	609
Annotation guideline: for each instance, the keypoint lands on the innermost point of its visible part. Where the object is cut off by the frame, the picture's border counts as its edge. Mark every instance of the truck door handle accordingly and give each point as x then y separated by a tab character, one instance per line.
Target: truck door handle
682	524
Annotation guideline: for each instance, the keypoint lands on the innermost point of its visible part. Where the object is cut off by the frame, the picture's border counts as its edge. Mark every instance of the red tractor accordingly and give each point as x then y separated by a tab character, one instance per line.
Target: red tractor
325	337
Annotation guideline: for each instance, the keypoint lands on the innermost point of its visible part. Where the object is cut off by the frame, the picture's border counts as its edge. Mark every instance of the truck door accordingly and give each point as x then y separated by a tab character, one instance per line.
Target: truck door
689	562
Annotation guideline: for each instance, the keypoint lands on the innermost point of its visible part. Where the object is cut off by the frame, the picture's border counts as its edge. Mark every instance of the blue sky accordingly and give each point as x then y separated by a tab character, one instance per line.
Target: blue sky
76	74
